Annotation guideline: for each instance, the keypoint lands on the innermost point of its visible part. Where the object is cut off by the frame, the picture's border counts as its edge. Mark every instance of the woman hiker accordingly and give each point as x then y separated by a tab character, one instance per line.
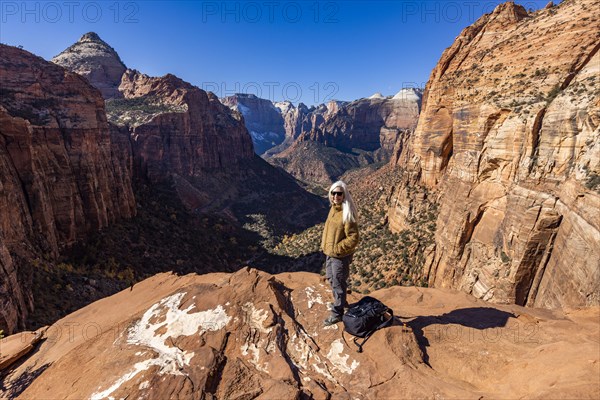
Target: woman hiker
340	238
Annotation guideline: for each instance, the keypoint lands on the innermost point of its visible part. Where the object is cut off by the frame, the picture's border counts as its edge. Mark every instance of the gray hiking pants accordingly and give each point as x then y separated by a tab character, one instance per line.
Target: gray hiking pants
336	272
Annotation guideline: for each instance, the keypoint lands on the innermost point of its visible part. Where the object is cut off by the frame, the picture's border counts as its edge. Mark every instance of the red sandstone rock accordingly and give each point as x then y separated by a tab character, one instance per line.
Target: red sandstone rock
250	334
15	347
204	136
508	138
61	175
339	136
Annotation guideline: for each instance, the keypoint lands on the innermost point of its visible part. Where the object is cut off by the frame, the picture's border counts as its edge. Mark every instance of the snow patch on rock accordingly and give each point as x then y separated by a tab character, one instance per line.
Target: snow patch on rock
264	136
256	318
300	352
330	328
248	348
245	111
313	297
340	360
166	317
284	106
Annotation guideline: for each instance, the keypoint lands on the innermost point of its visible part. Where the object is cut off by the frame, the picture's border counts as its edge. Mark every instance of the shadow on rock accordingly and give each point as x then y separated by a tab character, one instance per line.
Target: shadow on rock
276	264
25	379
475	317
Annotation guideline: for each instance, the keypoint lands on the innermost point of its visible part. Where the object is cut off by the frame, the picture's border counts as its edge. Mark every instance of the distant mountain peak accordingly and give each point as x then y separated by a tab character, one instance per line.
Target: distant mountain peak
511	12
91	37
408	94
377	95
284	106
246	95
92	58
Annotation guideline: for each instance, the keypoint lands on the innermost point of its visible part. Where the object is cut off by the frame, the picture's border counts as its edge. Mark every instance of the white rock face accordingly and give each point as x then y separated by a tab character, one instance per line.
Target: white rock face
166	317
262	118
95	60
284	106
408	94
339	359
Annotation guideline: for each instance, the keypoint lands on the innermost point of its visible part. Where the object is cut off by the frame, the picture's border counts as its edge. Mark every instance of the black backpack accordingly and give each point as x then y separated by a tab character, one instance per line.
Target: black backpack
365	317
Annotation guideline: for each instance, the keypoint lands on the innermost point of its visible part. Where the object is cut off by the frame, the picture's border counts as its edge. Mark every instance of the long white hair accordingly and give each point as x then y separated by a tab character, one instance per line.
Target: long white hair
349	213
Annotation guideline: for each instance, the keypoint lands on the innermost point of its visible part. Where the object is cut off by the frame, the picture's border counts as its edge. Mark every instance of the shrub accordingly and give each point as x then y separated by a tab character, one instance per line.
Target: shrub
593	182
127	275
553	93
138	110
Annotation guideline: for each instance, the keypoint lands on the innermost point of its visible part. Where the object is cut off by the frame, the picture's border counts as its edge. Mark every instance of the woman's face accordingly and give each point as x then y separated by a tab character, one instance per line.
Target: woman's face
337	195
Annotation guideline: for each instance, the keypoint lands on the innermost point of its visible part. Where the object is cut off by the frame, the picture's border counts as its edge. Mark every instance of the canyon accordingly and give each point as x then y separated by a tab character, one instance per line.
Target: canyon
262	119
73	165
326	141
318	144
478	199
502	167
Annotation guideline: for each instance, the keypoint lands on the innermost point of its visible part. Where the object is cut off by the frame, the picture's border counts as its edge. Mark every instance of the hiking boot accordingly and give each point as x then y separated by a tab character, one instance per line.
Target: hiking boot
332	319
330	306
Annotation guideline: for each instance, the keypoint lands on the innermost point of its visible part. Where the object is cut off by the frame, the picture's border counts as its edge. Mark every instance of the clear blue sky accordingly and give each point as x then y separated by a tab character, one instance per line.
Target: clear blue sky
309	51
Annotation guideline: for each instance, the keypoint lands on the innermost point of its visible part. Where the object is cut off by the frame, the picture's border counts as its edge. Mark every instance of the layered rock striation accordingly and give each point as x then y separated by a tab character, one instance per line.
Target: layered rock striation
195	135
64	172
368	124
509	141
184	136
95	60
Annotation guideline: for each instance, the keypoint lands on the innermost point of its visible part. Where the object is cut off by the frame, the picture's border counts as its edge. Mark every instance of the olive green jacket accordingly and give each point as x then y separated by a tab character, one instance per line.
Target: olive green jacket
339	239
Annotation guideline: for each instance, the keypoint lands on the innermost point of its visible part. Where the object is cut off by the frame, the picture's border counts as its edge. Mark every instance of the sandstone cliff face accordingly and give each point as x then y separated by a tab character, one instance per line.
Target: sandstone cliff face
302	119
95	60
263	120
253	335
63	172
331	139
509	139
297	120
203	136
368	124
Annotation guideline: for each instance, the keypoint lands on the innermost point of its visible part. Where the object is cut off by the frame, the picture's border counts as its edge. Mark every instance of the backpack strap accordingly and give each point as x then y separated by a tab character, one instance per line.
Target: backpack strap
368	335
